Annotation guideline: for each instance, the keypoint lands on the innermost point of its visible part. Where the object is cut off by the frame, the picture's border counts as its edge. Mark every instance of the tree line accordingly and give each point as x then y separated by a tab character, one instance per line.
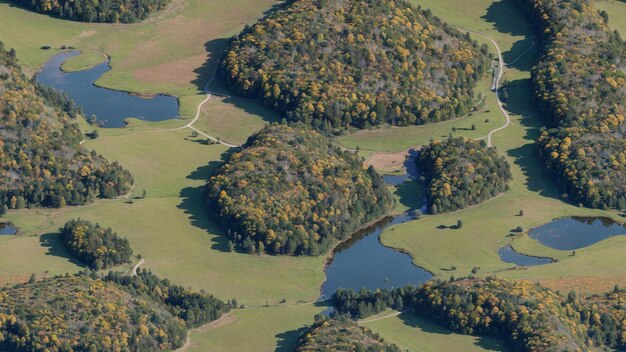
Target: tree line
530	317
111	11
579	87
333	64
461	172
41	160
291	191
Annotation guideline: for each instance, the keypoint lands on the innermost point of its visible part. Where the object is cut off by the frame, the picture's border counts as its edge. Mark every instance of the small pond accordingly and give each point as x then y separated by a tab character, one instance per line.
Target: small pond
576	232
110	107
362	261
509	255
7	229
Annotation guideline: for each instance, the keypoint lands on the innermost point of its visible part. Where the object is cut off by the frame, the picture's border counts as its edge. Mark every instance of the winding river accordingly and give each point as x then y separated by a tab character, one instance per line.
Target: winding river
111	107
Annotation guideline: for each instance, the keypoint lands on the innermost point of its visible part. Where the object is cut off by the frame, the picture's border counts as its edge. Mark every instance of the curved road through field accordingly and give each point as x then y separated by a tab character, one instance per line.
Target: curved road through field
496	85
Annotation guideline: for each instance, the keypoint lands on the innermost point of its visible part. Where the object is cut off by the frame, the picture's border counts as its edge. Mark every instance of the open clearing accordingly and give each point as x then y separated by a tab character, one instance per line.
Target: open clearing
413	333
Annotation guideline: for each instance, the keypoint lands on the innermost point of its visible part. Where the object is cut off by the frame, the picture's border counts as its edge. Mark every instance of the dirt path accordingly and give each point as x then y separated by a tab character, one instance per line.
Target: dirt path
223	320
209	94
395	314
136	267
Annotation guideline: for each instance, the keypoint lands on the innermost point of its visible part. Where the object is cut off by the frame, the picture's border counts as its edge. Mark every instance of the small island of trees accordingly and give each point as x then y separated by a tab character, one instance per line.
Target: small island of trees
93	245
331	64
291	191
461	172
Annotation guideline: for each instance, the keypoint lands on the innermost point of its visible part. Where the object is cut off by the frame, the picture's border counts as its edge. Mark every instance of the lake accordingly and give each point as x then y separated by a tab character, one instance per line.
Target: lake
362	261
576	232
110	107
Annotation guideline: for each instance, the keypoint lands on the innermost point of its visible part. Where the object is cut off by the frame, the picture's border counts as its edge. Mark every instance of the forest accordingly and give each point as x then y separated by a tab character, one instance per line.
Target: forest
291	191
109	11
579	87
460	172
41	160
82	313
344	335
531	318
93	245
337	63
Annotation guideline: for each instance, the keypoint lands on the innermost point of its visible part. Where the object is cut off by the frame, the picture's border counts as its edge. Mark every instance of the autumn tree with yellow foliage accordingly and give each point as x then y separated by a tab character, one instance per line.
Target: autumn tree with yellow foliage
291	191
579	85
461	172
41	160
333	64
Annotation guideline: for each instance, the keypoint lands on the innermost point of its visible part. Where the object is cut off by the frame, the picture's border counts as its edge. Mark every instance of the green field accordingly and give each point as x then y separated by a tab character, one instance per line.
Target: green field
617	13
175	53
415	334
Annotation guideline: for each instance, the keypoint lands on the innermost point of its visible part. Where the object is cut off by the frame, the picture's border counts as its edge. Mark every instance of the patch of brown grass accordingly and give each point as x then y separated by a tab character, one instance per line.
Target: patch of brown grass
585	285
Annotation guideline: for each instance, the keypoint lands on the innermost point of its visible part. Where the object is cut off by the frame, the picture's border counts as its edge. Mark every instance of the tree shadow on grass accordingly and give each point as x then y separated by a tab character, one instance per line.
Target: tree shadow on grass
52	242
520	104
287	340
410	194
415	321
194	203
508	18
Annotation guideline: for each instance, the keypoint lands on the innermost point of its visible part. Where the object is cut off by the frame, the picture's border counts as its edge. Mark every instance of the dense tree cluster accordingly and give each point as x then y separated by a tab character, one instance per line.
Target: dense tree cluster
334	63
461	172
77	313
291	191
93	245
530	317
118	313
195	308
329	335
41	161
580	87
111	11
605	315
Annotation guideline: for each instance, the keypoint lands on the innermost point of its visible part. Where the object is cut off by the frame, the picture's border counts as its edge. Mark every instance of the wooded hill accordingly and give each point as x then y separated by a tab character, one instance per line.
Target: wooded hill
531	318
41	160
460	172
80	313
344	335
335	63
580	88
112	11
291	191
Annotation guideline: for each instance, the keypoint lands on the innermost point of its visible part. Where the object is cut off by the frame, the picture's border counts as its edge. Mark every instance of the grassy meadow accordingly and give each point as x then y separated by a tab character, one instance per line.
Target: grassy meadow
413	333
175	52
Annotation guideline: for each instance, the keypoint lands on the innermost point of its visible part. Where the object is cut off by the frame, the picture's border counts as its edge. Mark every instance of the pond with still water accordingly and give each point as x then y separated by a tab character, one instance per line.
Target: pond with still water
363	262
509	255
576	232
110	107
7	229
